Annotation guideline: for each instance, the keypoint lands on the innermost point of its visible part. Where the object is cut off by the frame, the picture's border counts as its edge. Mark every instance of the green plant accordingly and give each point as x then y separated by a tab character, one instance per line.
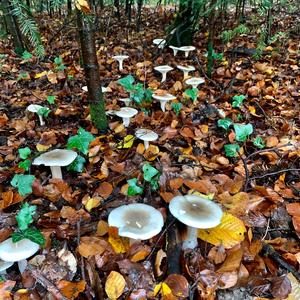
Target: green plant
242	131
192	94
133	188
44	112
77	165
23	183
23	75
259	142
81	141
231	150
224	123
238	100
59	65
228	35
51	99
24	153
176	106
151	175
26	55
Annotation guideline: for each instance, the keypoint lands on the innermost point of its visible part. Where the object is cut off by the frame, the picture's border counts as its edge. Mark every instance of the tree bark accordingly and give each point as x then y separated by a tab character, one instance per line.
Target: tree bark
139	14
211	36
91	69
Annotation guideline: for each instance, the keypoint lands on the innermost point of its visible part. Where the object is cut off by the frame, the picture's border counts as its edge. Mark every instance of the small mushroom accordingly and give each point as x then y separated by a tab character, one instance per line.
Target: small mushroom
186	70
163	99
11	252
147	136
195	81
126	113
103	89
175	50
126	101
34	108
120	59
160	43
163	70
195	212
136	221
187	49
55	159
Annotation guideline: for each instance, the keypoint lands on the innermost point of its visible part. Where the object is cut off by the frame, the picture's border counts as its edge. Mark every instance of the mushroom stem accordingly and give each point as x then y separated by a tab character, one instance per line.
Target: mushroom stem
185	74
163	105
194	86
164	77
56	172
175	52
120	65
186	53
42	123
126	122
191	239
22	264
146	144
133	241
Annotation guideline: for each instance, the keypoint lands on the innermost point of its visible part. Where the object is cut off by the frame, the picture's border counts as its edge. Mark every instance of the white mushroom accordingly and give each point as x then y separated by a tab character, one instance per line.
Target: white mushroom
34	108
147	136
5	265
195	212
103	89
186	70
120	59
126	113
126	101
160	43
163	70
55	159
163	99
187	49
195	81
175	49
136	221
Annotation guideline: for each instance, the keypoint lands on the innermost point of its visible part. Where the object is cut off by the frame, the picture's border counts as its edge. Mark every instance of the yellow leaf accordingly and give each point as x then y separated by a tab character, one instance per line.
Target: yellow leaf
70	289
228	233
165	290
157	288
39	75
42	148
127	142
120	245
83	6
91	203
114	285
295	294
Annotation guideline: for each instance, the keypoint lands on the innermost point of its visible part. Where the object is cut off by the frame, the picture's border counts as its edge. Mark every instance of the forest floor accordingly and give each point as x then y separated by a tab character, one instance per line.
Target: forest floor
253	254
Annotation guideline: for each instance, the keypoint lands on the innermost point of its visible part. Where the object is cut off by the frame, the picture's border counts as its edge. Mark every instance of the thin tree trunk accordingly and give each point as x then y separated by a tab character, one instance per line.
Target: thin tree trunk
139	14
91	69
117	6
211	36
69	7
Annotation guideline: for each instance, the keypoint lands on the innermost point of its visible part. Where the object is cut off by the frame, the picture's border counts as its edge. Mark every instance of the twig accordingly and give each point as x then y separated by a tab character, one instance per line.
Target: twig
274	173
274	149
267	230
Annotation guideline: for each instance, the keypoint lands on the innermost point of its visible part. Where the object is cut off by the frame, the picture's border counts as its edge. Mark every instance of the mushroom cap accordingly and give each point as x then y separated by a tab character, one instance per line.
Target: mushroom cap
57	157
103	89
186	68
125	100
12	252
163	69
159	41
120	57
196	211
34	108
5	265
126	112
174	48
166	97
195	80
187	48
136	221
146	135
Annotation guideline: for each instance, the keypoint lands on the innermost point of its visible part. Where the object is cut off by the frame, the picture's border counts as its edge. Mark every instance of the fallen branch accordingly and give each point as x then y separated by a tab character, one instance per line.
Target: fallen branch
274	173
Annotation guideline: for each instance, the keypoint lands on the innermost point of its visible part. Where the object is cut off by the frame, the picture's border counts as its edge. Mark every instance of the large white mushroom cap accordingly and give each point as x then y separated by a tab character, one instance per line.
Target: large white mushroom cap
126	112
187	48
196	211
146	135
5	265
137	221
195	81
163	68
120	57
163	99
12	252
34	108
186	68
160	42
57	157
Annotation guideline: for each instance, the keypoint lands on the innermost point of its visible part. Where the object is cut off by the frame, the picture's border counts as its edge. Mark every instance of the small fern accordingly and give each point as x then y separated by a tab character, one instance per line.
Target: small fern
228	35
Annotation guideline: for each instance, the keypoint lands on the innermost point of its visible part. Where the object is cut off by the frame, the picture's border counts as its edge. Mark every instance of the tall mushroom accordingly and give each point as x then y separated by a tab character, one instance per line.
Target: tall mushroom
186	70
175	49
160	43
126	113
136	221
163	99
34	108
55	159
147	136
187	49
126	101
120	59
195	212
195	81
163	70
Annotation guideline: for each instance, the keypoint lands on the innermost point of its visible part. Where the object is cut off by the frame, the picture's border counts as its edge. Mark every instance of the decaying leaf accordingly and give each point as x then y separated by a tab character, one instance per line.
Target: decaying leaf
114	285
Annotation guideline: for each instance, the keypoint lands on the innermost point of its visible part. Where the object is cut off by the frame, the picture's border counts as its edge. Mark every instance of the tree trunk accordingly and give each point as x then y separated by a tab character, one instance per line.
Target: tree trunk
91	69
69	7
211	36
139	14
117	8
13	27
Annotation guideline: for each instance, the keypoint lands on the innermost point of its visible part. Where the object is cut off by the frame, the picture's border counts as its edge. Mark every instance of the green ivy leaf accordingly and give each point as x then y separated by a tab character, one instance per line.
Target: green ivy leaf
176	106
26	55
148	95
24	152
134	188
192	93
44	111
231	150
32	234
127	82
149	172
51	99
137	94
238	100
259	142
23	183
25	165
242	131
224	123
77	165
81	141
24	216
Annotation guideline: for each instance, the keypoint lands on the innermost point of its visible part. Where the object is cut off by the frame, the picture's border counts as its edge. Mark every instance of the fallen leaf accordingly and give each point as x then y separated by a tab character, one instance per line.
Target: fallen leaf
70	289
114	285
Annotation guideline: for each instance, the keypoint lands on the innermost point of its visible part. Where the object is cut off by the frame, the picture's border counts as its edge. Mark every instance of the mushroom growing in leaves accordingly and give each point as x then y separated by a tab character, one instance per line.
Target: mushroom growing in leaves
147	136
103	89
195	212
126	101
195	81
163	99
159	42
187	49
136	221
186	70
163	70
34	108
120	59
55	159
175	49
126	113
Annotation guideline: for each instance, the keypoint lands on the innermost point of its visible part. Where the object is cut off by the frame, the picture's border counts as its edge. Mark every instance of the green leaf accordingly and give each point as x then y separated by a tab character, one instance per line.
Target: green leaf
24	152
26	55
224	123
127	82
77	165
154	184
149	172
32	234
176	106
44	111
192	93
58	60
259	142
148	95
137	94
24	216
231	150
242	131
23	183
25	165
81	141
238	100
133	188
51	99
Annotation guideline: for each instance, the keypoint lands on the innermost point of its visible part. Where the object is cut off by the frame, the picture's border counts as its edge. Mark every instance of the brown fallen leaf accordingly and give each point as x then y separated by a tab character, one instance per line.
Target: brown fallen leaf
70	289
